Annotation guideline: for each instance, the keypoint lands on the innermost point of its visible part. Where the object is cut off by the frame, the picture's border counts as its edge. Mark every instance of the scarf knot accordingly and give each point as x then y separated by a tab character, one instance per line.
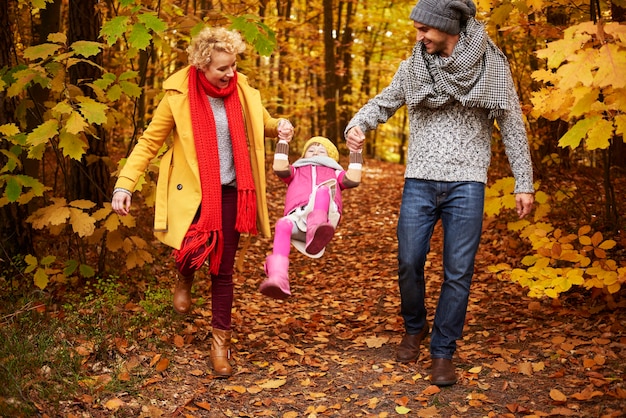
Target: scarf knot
204	239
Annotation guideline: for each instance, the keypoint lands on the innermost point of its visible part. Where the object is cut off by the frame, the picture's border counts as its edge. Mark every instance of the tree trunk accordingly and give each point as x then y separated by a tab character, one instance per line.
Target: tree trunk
90	177
15	234
330	86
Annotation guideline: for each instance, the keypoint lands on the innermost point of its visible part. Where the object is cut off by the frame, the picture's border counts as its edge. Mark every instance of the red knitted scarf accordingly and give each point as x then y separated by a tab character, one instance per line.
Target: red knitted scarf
204	238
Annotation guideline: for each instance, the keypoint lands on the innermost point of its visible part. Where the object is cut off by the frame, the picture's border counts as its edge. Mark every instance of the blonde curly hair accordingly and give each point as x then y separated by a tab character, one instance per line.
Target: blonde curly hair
210	39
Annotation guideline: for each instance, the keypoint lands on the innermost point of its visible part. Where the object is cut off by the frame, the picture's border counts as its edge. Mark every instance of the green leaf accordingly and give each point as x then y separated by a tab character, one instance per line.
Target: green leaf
131	89
105	81
37	188
152	22
87	48
43	133
87	271
12	162
47	260
261	36
13	189
41	51
114	93
70	267
114	29
73	146
127	75
139	36
93	111
578	132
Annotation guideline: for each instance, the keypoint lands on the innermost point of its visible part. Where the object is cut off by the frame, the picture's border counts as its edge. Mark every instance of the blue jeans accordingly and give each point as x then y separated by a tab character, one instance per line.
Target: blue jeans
459	205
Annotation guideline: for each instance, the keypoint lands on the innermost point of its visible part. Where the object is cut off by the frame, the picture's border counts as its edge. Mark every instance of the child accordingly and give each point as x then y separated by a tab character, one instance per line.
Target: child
313	206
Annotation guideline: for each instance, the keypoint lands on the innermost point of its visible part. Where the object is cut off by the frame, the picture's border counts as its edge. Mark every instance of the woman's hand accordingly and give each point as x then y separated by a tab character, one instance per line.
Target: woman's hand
120	203
285	130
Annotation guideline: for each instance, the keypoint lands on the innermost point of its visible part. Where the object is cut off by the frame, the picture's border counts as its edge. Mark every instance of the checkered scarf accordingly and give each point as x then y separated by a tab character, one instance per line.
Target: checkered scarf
477	74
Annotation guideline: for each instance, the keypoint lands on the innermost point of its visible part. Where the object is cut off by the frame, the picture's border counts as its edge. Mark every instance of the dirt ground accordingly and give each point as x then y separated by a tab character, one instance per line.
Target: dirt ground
329	350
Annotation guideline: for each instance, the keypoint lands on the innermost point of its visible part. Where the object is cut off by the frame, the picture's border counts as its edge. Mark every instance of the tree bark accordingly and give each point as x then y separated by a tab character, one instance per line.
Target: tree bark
90	177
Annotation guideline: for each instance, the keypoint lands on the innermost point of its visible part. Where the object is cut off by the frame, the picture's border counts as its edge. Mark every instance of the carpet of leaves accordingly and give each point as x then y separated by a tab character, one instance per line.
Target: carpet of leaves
329	350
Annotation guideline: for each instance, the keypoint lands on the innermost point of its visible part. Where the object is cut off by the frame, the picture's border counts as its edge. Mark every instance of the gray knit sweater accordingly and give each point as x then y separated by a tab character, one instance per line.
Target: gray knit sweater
452	142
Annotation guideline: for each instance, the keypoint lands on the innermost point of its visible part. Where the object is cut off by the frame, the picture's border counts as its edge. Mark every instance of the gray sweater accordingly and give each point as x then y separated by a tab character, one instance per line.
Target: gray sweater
452	142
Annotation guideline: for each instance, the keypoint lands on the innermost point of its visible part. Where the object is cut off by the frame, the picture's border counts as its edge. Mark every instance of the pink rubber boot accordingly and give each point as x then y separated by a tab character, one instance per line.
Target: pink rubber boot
319	231
277	283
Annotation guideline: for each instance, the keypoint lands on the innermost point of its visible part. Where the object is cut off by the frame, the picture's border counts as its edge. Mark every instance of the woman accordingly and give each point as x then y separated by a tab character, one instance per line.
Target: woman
211	184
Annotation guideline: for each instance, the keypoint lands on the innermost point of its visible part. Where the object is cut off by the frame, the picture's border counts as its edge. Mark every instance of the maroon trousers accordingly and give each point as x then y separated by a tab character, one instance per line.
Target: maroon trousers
222	286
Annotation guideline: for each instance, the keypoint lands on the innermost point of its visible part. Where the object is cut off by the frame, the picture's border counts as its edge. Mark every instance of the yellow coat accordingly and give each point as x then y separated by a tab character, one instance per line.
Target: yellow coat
179	194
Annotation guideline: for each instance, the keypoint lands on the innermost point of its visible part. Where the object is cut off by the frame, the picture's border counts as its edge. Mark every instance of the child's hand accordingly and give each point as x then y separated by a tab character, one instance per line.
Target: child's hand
355	139
285	130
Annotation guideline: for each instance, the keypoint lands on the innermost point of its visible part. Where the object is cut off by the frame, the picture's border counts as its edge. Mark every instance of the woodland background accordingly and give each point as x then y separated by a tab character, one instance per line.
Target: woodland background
79	80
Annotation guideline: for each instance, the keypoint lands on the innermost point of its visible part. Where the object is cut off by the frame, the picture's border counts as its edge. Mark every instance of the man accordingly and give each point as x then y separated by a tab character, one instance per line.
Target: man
455	84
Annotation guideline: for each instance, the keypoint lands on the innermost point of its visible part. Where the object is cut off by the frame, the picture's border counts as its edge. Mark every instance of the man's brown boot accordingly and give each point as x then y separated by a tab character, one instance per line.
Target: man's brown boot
409	348
442	372
182	294
220	352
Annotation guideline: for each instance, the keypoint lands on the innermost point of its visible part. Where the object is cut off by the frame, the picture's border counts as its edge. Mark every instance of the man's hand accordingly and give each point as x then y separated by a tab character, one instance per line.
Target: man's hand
524	203
285	130
355	138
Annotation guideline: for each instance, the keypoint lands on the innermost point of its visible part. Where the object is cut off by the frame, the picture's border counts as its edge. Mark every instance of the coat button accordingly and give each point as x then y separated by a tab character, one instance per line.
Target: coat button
179	187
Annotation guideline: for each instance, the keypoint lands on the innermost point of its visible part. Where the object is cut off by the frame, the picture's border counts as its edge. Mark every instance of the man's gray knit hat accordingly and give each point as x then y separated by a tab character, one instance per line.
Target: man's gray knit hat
445	15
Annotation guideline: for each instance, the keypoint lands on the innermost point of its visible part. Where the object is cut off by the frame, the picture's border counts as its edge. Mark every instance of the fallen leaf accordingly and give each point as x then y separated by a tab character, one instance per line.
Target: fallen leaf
431	390
273	384
557	395
236	388
402	410
162	365
179	341
204	405
376	342
114	404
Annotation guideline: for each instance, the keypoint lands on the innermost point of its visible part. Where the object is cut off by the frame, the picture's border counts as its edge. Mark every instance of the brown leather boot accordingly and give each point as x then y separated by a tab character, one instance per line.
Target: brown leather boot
442	372
182	294
409	348
220	352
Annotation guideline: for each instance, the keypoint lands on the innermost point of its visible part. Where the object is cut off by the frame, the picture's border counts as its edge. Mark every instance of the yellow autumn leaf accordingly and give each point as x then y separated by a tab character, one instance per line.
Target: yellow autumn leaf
599	135
114	404
475	370
376	342
273	384
402	410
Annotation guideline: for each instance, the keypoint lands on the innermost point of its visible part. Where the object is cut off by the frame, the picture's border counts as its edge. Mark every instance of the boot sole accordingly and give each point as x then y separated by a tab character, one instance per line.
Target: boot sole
321	237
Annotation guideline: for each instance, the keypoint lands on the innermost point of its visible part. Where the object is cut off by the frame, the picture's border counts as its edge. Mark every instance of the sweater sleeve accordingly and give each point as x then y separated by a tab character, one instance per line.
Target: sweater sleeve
513	131
383	106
